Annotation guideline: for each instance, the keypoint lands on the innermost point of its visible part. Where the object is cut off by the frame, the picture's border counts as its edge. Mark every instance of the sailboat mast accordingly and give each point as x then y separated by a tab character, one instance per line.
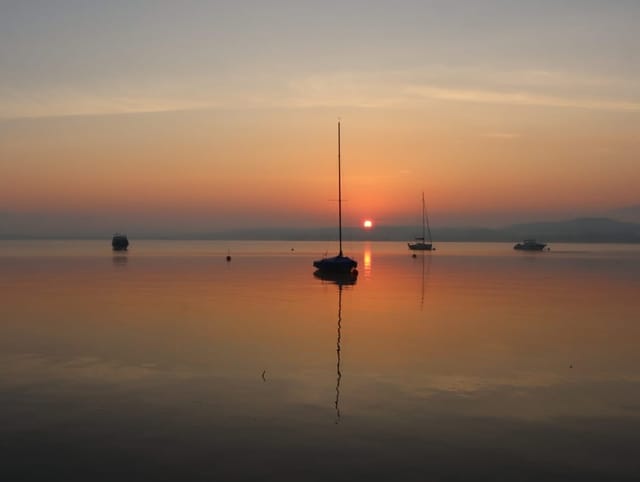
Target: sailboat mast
423	238
339	194
425	216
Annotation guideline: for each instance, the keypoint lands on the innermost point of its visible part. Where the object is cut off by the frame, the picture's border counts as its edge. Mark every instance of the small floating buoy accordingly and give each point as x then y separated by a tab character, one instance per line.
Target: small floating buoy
414	255
228	258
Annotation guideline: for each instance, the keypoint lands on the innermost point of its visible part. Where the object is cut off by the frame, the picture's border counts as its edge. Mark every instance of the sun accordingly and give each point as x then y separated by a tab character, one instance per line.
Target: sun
367	224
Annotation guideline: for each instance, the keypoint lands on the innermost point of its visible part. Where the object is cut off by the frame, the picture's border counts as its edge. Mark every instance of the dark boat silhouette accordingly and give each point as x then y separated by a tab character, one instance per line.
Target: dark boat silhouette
119	242
530	245
420	243
338	264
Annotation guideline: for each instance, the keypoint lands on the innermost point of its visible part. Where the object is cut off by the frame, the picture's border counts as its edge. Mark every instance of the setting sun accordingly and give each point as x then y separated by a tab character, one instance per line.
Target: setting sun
367	224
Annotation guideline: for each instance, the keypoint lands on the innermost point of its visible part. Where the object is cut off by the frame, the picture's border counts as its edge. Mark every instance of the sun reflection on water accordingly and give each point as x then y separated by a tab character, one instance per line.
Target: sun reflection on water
367	259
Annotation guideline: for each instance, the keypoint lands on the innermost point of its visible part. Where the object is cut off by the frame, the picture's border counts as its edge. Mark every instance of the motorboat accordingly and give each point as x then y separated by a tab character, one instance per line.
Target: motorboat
119	242
530	245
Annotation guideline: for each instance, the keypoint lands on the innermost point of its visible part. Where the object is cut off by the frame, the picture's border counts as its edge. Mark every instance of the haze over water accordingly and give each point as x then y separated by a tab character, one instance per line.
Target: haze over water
168	363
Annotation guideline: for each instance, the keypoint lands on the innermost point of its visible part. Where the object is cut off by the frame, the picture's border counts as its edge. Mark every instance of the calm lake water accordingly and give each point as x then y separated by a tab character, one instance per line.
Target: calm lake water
473	362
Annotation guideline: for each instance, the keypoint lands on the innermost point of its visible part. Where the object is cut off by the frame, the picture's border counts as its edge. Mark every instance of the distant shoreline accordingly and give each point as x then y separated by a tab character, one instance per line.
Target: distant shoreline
581	230
403	241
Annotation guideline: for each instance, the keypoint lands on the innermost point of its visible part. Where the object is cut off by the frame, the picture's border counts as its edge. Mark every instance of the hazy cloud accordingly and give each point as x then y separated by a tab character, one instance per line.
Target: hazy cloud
389	89
502	135
520	98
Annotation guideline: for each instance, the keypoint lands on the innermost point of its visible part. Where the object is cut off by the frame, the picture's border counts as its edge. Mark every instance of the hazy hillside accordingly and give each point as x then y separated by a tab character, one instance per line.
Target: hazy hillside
578	230
628	213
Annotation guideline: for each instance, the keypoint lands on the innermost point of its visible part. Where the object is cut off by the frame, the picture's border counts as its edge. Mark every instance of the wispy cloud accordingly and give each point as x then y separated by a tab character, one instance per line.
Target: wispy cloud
519	98
502	135
409	88
79	102
388	89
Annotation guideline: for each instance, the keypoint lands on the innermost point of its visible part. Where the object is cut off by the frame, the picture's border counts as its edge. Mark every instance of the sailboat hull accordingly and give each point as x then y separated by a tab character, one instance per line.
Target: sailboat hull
420	246
119	242
529	247
337	264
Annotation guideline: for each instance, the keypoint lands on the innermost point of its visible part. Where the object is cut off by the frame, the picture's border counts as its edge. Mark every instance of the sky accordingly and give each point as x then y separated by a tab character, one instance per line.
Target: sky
203	116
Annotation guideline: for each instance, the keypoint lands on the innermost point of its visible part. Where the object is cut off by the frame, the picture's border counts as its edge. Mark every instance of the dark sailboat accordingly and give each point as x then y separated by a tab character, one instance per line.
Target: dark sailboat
420	243
339	264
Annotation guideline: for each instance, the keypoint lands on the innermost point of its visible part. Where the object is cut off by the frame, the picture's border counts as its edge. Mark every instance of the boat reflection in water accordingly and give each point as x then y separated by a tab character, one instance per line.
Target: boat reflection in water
339	278
342	280
426	269
120	260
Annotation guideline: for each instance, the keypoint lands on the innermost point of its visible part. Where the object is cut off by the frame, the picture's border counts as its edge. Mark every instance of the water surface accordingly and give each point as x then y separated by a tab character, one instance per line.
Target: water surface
169	363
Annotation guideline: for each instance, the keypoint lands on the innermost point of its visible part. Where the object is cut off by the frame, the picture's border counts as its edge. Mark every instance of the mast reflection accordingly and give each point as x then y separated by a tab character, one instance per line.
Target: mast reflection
342	280
426	268
338	372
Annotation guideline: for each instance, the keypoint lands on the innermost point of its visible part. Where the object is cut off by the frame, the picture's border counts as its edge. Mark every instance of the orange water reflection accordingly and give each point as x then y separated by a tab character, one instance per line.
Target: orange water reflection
366	259
440	322
417	359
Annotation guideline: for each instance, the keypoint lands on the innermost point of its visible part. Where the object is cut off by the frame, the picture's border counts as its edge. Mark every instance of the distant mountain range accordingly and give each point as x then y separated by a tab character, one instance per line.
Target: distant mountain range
629	214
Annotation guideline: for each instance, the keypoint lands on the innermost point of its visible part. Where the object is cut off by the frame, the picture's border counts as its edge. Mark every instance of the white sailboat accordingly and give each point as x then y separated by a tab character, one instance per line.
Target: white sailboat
420	243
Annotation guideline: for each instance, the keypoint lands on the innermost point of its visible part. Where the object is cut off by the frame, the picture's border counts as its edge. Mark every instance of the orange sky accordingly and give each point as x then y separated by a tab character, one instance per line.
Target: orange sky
280	165
240	130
